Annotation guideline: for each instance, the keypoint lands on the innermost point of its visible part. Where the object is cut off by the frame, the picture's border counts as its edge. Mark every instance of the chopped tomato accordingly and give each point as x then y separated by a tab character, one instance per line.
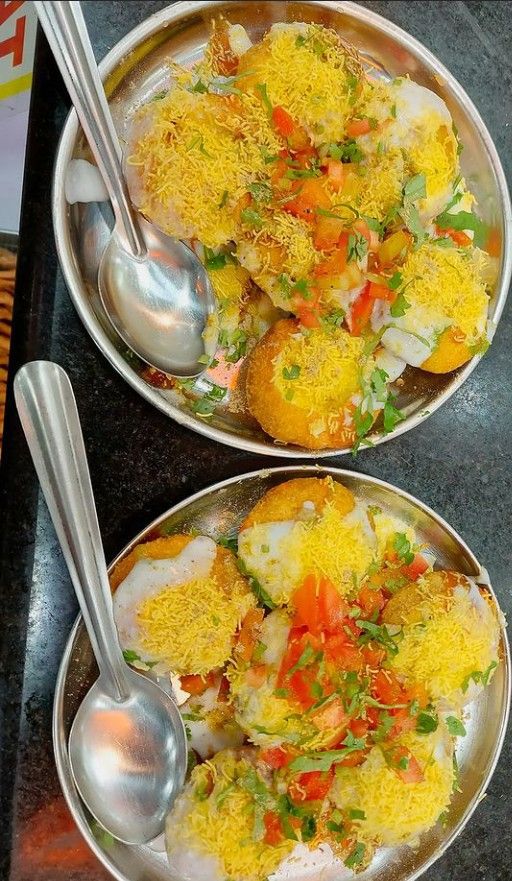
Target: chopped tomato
359	727
307	310
327	233
255	676
279	169
282	121
370	601
336	263
275	756
373	717
311	785
358	127
361	310
305	157
353	759
373	655
336	174
319	606
393	246
197	684
300	681
387	689
248	634
273	831
223	694
403	722
381	292
286	126
340	650
310	196
331	715
418	566
411	772
459	237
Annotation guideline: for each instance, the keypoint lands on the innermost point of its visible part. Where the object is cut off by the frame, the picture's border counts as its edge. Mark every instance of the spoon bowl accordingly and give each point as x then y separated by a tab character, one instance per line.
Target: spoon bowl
127	745
154	289
140	298
123	756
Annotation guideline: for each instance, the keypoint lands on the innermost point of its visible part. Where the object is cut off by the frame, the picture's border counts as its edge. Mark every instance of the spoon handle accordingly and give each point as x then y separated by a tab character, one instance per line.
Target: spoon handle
66	32
49	417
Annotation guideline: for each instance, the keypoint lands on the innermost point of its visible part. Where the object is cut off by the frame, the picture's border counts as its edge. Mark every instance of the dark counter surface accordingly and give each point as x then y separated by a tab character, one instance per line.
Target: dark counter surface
458	461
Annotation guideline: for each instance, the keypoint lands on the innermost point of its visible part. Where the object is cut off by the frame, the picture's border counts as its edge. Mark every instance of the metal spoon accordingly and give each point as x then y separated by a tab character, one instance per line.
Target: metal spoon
154	289
127	745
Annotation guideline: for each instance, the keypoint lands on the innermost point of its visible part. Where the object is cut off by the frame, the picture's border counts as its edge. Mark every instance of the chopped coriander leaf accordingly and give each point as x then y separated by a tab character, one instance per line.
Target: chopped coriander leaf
403	763
252	218
395	281
323	212
400	306
267	157
281	692
302	287
300	173
259	650
262	89
377	632
333	319
392	415
307	657
332	826
426	723
213	260
415	188
462	221
224	199
261	191
317	692
289	394
356	814
300	41
224	794
402	546
199	86
372	223
308	828
258	591
357	247
228	541
393	111
129	655
362	424
378	383
356	856
413	222
292	372
455	726
203	407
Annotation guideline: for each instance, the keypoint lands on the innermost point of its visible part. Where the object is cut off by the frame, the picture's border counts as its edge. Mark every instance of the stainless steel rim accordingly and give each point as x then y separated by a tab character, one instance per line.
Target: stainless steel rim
69	268
60	746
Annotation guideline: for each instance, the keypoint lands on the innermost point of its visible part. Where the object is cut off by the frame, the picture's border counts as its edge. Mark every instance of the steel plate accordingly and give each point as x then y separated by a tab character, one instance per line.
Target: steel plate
215	511
135	69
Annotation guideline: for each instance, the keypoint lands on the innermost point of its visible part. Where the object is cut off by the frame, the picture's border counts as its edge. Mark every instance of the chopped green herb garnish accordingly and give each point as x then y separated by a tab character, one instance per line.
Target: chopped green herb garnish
464	220
357	247
252	218
402	546
455	726
356	856
426	723
261	191
416	188
395	281
356	814
213	260
292	372
400	306
262	89
259	592
259	650
393	111
392	416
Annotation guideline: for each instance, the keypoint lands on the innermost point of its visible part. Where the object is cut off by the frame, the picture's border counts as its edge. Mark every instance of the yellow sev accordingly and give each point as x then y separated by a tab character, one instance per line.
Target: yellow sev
450	281
196	159
226	829
453	641
311	75
396	812
324	369
190	627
